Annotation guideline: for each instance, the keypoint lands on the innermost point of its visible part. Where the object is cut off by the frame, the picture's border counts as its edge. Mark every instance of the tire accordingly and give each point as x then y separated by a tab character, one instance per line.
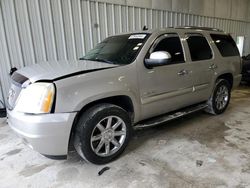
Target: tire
220	98
102	133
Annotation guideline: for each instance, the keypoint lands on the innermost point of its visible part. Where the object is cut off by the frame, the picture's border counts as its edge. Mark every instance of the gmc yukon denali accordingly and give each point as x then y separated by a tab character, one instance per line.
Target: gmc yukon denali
127	81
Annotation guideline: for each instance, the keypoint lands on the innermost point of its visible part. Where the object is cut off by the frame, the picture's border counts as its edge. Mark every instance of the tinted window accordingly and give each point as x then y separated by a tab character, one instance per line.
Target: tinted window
226	45
121	49
173	46
199	47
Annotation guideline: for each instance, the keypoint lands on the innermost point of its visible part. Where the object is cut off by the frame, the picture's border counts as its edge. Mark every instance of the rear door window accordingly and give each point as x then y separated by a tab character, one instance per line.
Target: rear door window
198	47
225	45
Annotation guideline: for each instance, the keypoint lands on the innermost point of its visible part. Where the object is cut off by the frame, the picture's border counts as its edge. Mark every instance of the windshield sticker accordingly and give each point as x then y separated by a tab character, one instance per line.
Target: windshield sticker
138	36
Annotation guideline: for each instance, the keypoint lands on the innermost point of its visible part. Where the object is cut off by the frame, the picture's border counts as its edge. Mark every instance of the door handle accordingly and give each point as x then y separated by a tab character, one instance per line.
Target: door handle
213	66
183	72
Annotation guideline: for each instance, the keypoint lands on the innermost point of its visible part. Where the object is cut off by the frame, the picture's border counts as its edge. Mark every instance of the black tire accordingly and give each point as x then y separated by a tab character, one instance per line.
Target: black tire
212	102
87	129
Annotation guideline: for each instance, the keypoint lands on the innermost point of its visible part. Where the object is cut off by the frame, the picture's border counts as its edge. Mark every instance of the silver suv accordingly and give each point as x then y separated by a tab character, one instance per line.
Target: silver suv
127	81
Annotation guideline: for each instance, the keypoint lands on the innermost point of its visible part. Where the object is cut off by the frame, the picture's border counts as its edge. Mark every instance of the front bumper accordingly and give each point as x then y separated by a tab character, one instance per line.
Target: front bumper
47	133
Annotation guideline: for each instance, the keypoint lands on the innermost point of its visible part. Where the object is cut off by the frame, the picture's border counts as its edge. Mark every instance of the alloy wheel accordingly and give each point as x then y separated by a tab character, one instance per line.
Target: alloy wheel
222	97
108	136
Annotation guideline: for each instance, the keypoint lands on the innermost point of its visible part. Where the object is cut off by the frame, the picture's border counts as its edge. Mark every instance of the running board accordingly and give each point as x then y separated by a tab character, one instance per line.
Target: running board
170	116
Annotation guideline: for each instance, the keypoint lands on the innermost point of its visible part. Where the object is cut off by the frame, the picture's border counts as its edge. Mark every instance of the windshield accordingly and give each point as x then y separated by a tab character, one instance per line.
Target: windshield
121	49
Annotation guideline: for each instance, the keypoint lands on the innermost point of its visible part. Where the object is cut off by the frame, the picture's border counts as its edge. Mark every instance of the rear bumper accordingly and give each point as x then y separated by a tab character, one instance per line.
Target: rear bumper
237	80
47	133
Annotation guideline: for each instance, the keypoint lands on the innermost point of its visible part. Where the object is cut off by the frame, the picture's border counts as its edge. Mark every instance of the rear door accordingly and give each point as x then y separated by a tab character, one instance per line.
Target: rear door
203	65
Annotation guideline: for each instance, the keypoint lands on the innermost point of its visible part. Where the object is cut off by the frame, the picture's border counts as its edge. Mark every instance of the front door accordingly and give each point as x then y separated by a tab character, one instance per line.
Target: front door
169	87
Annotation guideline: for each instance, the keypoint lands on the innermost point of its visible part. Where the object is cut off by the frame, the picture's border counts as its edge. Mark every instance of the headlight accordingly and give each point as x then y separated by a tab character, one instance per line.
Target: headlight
37	98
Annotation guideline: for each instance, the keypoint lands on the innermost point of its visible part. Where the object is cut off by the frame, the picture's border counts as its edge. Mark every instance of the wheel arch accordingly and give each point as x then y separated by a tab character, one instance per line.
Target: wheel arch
122	101
226	76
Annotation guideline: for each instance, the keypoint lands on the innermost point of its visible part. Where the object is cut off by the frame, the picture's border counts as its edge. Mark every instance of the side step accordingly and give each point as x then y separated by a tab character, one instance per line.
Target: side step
170	116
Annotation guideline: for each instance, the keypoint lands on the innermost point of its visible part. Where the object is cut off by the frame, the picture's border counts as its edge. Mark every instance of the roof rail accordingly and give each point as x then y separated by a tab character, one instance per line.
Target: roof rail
201	28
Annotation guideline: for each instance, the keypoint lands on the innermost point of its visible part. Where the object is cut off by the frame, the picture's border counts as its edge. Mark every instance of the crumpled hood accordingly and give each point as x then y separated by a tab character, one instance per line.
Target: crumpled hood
60	69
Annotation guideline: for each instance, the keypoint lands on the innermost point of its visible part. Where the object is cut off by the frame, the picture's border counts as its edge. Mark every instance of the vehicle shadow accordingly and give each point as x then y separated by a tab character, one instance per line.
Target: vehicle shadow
178	128
185	127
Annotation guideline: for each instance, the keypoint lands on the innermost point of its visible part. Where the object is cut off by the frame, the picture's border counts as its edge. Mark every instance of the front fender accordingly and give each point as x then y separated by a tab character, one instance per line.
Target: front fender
74	93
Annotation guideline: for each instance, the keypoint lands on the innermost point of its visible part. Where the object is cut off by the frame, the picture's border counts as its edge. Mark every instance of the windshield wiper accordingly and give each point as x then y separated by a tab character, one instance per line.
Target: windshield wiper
98	59
103	60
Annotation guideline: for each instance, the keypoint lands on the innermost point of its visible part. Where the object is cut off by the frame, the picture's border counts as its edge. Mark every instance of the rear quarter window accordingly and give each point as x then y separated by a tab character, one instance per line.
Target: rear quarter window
225	45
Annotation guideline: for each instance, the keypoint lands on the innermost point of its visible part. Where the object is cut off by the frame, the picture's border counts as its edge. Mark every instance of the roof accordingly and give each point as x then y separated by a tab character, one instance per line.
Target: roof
189	28
184	27
200	28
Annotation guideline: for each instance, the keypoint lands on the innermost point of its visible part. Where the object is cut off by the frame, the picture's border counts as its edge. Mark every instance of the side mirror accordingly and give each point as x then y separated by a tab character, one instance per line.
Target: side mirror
158	58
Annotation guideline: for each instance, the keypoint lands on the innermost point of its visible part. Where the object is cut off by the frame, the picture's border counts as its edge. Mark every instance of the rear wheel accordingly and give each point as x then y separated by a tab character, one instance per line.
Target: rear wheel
220	98
102	133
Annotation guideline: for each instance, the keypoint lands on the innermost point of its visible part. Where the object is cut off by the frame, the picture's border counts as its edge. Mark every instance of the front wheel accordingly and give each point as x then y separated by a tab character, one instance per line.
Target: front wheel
102	133
220	98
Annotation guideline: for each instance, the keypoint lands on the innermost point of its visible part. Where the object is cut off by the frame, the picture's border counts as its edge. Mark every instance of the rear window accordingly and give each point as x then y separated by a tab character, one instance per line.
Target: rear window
225	45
